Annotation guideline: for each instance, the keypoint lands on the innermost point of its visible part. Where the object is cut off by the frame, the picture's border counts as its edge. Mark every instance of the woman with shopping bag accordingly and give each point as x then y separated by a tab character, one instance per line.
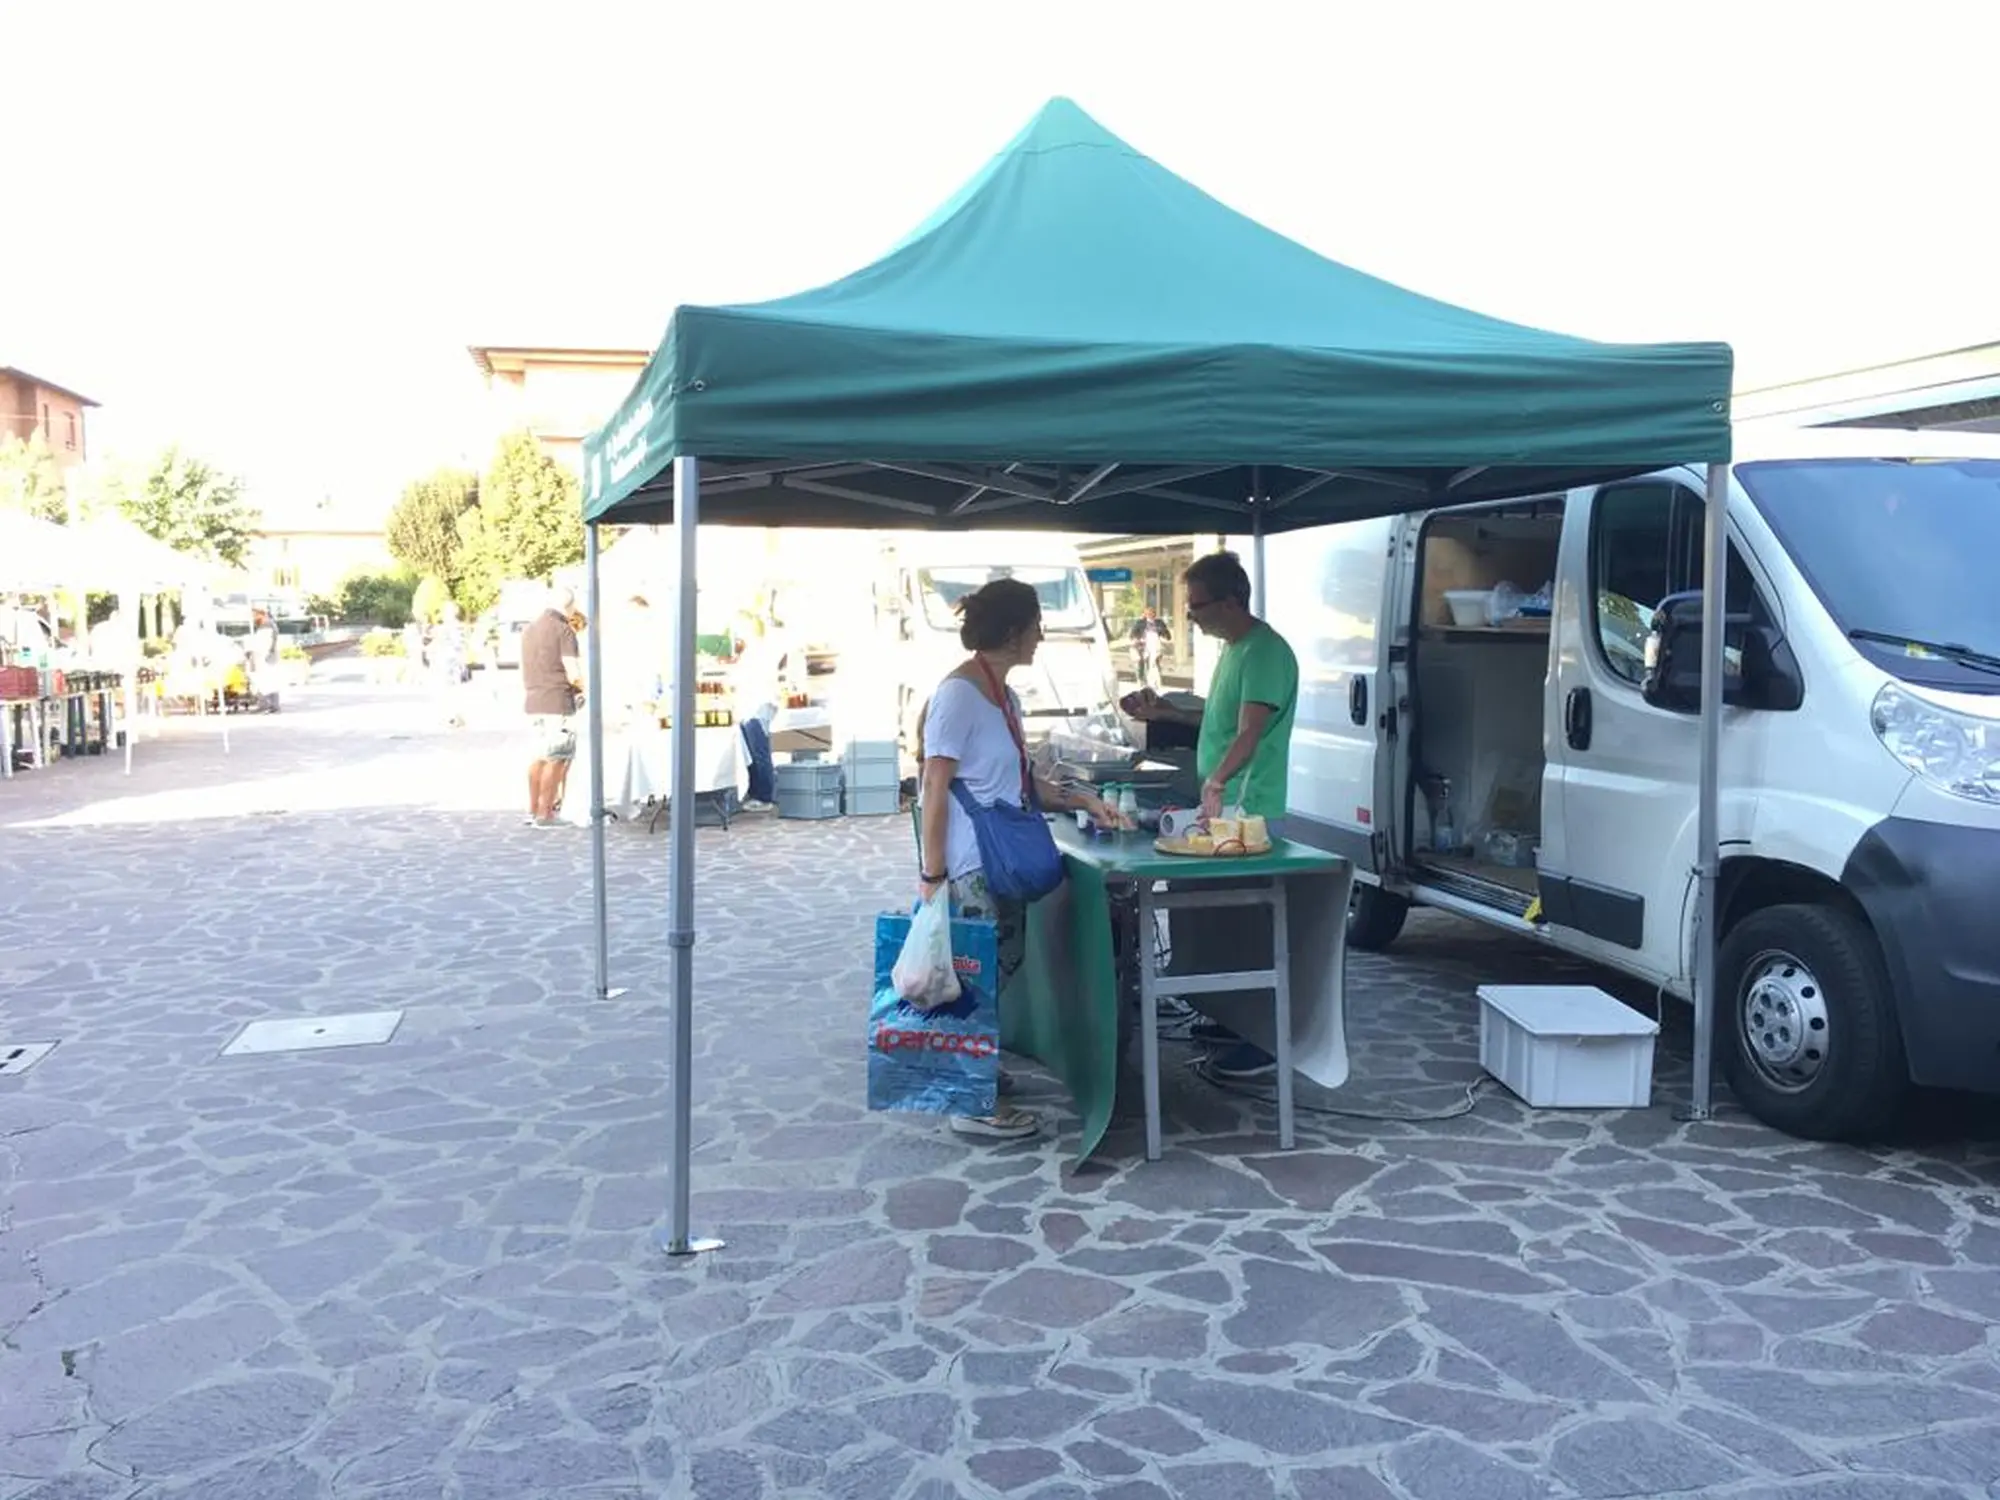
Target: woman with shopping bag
982	834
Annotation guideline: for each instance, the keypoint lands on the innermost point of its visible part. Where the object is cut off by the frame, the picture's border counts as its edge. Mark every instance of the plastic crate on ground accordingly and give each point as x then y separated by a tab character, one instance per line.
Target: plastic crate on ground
874	801
1566	1046
809	776
808	803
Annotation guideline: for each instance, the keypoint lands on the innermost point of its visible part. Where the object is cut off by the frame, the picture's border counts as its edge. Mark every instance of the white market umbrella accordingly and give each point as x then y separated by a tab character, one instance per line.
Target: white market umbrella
38	556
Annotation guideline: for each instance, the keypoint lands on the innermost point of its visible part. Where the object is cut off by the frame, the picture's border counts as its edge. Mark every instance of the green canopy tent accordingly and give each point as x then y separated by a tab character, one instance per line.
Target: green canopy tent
1080	339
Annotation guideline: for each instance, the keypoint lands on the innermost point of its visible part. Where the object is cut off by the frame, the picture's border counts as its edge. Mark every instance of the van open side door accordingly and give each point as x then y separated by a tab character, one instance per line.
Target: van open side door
1329	589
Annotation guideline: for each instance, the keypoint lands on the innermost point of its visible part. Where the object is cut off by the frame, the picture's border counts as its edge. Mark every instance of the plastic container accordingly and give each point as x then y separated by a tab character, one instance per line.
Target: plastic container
1509	849
810	776
1468	606
797	803
1566	1046
874	801
872	763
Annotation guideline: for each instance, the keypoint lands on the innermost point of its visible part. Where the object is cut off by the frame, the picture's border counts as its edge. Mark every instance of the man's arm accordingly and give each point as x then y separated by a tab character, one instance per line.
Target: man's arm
1251	722
571	664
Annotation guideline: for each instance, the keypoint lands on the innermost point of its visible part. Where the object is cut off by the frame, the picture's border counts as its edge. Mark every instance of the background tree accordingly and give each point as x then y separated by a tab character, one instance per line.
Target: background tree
428	602
422	530
528	522
481	566
376	599
191	506
30	480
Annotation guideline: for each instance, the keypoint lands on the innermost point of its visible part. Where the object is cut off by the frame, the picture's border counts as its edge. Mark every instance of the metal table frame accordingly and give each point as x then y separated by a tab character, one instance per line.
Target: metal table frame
1153	986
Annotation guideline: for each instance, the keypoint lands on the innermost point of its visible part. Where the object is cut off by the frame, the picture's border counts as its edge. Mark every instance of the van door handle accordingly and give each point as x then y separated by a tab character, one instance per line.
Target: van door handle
1576	718
1357	699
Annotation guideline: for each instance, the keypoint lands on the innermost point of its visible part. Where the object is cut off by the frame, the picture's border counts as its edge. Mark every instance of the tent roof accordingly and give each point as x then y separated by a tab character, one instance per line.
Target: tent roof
1080	328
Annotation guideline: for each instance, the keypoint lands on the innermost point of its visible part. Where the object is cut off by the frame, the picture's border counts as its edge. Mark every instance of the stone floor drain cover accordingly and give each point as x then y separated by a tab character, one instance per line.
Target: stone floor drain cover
310	1033
18	1057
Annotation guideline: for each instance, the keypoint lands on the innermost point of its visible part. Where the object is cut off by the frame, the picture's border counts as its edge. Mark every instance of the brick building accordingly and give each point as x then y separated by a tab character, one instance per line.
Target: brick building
31	406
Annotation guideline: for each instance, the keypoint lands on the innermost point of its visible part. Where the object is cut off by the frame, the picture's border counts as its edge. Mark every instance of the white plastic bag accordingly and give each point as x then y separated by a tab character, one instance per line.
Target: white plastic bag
923	975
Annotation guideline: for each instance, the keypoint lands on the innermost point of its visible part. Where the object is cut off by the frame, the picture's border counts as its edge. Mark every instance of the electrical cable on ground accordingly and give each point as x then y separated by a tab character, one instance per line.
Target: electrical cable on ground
1199	1067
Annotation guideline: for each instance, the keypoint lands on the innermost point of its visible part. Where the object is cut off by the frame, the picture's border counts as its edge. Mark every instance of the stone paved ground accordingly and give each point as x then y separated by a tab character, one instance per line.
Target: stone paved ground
424	1269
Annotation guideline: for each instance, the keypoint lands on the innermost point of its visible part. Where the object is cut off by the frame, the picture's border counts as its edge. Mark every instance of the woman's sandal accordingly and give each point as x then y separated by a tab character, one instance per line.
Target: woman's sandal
1003	1125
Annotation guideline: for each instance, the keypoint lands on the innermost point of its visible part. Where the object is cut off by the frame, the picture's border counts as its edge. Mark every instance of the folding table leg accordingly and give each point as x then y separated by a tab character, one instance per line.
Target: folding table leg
1281	999
1149	1022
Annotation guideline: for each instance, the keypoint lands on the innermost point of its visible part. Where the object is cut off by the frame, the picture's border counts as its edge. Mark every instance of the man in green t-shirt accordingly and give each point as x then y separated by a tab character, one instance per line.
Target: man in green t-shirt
1244	749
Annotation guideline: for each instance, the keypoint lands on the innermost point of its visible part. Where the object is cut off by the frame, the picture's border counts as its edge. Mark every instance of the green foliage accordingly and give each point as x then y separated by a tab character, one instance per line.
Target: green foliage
382	643
376	599
422	530
428	602
30	480
481	567
290	652
528	523
189	505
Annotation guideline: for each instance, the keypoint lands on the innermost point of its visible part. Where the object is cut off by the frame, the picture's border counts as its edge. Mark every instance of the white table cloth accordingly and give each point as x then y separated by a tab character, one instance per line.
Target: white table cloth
639	768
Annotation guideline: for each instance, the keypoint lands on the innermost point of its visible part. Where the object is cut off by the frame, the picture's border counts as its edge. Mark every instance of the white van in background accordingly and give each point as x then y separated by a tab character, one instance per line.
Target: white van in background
922	575
1537	770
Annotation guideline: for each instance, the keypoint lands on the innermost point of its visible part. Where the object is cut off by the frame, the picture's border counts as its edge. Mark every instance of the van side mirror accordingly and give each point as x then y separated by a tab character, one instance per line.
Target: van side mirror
1759	670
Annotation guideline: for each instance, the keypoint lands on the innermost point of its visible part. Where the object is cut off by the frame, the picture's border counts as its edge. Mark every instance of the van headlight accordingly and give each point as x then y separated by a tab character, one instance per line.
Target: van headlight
1952	751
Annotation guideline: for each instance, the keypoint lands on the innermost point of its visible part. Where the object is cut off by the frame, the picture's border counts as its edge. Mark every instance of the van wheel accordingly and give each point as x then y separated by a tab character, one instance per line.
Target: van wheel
1807	1027
1374	917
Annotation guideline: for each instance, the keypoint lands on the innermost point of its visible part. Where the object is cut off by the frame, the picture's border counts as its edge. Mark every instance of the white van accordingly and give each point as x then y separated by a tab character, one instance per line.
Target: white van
922	577
1537	770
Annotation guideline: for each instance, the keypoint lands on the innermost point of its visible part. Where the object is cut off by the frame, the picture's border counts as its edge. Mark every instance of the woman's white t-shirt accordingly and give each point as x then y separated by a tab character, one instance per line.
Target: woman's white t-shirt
964	725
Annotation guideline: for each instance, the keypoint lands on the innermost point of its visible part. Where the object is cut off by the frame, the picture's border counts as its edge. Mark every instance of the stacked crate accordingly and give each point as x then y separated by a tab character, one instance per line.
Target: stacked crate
874	778
808	789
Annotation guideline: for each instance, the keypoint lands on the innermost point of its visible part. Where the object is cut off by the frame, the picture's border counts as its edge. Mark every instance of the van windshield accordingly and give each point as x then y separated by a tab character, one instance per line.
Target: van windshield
1065	593
1898	551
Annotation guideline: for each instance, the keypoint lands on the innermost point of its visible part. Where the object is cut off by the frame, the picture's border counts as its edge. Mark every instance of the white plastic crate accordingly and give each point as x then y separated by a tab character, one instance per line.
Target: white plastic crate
1566	1046
872	763
873	801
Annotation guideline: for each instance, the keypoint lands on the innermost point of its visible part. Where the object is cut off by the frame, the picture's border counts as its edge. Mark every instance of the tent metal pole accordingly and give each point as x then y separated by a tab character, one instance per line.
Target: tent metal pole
680	880
1708	827
1257	596
130	609
593	650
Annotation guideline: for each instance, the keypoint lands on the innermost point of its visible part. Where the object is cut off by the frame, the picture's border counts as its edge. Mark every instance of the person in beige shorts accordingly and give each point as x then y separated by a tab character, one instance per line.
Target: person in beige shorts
552	691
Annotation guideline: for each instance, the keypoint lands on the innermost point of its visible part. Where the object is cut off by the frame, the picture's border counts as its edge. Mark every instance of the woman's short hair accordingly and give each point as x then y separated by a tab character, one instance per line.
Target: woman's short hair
995	613
1222	575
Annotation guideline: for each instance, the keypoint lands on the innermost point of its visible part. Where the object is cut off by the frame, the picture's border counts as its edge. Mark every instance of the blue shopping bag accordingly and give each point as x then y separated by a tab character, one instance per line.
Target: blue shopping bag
944	1061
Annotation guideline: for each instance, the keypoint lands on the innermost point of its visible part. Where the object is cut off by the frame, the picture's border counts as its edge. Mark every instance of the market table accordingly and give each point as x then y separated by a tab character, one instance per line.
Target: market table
1063	1008
64	717
639	768
12	712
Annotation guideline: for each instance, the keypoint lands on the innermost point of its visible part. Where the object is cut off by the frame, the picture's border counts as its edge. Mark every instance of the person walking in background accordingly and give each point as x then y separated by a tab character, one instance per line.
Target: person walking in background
1150	638
413	649
551	692
448	665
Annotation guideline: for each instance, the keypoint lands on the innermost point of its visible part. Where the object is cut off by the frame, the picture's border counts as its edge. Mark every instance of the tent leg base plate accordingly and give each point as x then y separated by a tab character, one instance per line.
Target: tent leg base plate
675	1245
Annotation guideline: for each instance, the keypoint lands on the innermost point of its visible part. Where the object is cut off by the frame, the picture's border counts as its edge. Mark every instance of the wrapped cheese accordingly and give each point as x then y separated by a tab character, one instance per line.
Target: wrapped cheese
1222	830
1256	832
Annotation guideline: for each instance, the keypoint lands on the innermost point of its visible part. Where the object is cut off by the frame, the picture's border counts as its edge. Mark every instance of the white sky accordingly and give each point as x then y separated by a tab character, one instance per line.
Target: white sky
271	230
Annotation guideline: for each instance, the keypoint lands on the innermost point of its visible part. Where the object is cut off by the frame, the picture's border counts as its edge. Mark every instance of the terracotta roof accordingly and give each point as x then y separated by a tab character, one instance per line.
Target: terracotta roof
62	390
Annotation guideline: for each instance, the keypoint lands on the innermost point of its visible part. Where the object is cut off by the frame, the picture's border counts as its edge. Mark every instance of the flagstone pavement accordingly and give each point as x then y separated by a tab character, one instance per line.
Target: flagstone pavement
425	1269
